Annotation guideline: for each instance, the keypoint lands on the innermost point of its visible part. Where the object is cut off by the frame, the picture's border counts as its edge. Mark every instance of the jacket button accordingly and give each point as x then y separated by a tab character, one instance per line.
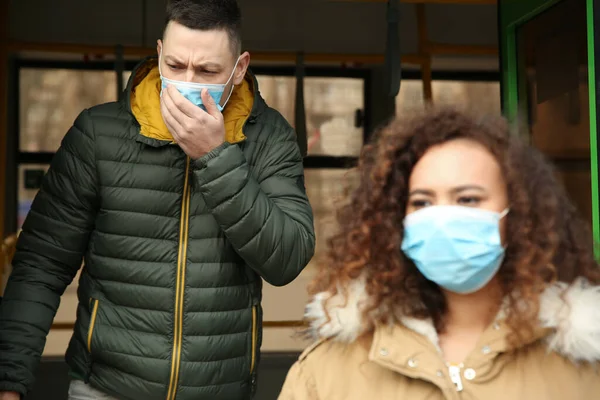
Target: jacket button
384	352
470	374
486	349
412	363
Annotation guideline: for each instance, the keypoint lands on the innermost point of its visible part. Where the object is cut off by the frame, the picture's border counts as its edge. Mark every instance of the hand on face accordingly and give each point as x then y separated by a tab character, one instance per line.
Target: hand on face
196	131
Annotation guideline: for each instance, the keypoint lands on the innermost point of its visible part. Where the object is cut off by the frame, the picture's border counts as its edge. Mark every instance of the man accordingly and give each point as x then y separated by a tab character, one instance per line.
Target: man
178	210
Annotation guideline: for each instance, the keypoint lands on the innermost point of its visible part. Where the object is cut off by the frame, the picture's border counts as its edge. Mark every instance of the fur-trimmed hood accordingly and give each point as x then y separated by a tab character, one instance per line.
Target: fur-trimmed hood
569	316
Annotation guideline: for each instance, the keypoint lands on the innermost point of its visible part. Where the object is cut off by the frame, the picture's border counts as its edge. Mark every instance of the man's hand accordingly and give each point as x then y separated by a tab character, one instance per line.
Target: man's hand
196	131
10	396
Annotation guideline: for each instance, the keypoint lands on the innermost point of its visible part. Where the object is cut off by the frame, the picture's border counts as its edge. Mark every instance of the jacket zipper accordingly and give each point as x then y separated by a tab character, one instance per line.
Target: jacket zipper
90	335
454	372
254	338
180	284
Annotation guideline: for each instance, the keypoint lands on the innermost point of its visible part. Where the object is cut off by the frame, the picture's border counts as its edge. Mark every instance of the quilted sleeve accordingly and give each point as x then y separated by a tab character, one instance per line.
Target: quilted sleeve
267	217
49	253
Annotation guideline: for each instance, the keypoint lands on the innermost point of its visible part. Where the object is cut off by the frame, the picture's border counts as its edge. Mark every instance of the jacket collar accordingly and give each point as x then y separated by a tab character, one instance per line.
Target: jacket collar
568	321
142	69
141	101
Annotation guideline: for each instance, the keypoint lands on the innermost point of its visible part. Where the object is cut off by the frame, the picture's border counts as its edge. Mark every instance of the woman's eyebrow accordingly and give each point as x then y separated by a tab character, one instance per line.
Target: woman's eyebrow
463	188
424	192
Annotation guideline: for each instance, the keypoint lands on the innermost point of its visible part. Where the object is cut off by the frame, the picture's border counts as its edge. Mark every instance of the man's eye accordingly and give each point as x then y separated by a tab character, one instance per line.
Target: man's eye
173	66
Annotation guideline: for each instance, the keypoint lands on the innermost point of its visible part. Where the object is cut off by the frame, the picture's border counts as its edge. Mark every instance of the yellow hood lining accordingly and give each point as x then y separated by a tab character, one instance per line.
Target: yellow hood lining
145	106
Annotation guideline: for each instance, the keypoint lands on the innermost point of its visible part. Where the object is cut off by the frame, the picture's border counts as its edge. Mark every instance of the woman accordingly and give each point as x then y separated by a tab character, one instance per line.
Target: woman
462	271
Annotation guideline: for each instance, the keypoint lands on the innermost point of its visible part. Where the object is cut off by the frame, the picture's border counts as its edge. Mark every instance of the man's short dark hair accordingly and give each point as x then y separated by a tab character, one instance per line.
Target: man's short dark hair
206	15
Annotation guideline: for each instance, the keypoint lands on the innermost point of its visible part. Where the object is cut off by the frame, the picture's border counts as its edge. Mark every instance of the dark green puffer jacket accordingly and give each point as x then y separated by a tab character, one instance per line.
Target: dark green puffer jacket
173	249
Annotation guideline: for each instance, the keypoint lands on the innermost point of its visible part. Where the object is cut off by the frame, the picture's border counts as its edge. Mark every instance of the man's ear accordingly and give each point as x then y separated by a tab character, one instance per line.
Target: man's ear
242	67
158	47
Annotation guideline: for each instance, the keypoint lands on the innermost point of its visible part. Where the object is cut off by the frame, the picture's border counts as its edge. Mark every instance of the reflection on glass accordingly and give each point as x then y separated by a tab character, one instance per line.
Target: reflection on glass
327	189
578	185
280	93
25	194
51	99
553	94
331	105
474	96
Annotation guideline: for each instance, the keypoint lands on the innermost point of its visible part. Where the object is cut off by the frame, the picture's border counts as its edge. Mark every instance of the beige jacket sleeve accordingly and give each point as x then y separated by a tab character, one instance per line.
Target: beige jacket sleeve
299	384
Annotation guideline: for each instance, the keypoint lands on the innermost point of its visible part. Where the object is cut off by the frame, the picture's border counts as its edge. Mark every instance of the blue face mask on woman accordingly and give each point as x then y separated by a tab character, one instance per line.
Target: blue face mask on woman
458	248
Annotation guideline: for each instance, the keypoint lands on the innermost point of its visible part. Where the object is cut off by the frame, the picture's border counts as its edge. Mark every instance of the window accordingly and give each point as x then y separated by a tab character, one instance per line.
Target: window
476	96
50	100
280	93
326	189
481	97
410	97
331	106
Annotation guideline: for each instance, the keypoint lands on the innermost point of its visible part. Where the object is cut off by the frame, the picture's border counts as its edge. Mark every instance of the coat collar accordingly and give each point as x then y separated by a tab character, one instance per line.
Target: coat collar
142	100
568	320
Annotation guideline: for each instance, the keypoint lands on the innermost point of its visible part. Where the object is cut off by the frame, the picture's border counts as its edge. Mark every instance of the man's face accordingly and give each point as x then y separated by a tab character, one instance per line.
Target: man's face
192	55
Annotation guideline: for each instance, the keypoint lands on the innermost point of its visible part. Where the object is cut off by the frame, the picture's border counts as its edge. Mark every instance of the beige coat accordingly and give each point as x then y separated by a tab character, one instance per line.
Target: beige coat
352	361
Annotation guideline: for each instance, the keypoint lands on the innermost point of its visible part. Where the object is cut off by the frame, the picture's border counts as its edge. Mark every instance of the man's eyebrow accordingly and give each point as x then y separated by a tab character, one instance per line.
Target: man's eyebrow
173	59
208	64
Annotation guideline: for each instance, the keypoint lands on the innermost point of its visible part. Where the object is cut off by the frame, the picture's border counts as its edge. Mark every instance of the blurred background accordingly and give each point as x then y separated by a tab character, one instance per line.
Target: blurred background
528	59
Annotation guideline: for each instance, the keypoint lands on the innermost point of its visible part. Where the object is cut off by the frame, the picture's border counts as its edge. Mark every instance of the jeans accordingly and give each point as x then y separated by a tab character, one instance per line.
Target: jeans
79	390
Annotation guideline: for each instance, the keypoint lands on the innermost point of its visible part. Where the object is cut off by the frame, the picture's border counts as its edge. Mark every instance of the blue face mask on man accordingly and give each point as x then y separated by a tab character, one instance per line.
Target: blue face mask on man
193	91
458	248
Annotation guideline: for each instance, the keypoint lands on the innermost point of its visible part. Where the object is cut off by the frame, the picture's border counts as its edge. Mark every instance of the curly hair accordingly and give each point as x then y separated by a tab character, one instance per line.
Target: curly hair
547	239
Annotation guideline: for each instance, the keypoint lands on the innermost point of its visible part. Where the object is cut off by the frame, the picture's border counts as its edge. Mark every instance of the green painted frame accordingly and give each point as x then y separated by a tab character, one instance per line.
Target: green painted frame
591	47
511	15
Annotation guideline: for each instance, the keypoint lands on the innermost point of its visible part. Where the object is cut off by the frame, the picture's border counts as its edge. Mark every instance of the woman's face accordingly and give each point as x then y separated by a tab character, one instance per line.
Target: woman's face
459	172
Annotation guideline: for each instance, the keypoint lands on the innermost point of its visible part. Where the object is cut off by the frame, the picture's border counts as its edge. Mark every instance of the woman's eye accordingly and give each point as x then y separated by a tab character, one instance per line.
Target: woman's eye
173	66
469	201
420	203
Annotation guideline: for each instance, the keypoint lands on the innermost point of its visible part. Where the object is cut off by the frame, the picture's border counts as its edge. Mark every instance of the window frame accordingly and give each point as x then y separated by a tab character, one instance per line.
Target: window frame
459	76
324	161
42	157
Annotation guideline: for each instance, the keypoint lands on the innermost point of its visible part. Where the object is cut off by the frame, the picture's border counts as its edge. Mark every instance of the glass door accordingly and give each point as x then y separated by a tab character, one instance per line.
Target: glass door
549	89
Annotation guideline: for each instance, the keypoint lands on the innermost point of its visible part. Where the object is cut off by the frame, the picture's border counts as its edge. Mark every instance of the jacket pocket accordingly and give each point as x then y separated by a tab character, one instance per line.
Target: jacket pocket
254	339
94	303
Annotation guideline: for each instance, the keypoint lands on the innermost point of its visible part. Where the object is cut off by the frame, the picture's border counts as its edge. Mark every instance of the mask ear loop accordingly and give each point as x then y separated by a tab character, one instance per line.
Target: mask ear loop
159	61
229	80
502	215
160	70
